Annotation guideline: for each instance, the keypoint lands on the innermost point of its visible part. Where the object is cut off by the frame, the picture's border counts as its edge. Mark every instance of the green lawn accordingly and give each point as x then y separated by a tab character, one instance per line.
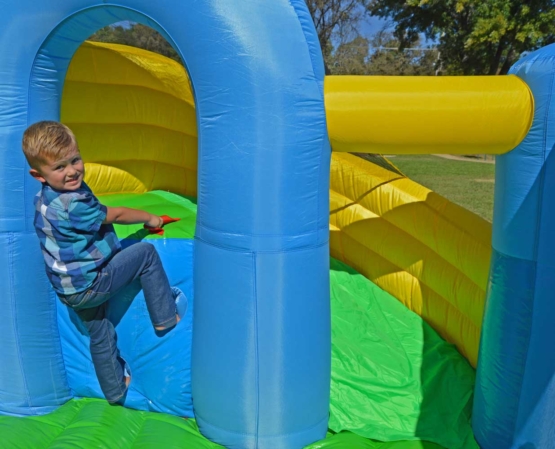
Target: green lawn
469	184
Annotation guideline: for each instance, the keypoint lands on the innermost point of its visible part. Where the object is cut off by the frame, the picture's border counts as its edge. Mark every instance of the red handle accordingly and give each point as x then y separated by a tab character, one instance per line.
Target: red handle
165	220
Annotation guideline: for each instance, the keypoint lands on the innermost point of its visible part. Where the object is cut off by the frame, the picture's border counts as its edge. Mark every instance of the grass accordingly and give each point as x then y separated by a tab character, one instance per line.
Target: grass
469	184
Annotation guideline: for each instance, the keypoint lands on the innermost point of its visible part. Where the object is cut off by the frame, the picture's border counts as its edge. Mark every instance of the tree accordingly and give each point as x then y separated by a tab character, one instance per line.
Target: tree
137	35
474	36
382	55
350	58
336	20
388	58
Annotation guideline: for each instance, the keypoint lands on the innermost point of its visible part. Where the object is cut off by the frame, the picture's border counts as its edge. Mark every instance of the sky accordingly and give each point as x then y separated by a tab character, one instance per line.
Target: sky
371	26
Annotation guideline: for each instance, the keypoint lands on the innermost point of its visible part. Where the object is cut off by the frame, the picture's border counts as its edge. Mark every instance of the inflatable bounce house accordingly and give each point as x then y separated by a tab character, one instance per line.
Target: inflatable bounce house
332	301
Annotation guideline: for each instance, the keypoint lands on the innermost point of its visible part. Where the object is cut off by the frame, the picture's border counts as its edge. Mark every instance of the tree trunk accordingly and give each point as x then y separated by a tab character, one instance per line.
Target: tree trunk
496	59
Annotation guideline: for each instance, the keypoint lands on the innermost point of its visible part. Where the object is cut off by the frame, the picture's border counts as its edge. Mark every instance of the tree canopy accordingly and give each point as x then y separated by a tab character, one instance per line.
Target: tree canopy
473	37
468	37
137	35
381	55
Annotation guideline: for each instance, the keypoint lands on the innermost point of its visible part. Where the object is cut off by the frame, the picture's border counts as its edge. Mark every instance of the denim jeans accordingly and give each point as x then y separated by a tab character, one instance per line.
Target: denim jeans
139	262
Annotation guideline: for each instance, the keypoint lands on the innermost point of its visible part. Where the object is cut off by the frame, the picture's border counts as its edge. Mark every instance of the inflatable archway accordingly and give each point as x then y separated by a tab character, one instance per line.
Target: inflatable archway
261	270
510	410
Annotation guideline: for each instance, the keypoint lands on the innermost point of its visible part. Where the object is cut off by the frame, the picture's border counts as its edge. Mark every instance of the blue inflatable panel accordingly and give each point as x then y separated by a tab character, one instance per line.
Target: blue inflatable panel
264	326
160	365
515	392
263	183
32	374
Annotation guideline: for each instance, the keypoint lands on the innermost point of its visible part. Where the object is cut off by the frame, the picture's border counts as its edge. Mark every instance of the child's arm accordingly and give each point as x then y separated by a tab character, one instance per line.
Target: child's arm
125	215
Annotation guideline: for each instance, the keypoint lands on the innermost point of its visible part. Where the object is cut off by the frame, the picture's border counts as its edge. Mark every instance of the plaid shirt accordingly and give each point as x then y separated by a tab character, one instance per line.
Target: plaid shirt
74	242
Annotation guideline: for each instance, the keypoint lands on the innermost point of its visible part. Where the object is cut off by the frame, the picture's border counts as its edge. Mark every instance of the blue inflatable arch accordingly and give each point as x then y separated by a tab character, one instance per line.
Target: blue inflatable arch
261	354
514	398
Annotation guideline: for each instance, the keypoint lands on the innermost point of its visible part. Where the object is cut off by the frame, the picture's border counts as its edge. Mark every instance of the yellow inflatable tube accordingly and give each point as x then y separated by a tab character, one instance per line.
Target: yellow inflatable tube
427	115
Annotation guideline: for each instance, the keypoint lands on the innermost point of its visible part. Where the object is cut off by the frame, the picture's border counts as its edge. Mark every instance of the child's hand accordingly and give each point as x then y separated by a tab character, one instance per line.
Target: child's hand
158	229
154	222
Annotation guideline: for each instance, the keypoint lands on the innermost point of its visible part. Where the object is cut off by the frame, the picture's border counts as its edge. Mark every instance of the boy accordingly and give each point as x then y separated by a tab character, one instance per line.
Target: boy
83	256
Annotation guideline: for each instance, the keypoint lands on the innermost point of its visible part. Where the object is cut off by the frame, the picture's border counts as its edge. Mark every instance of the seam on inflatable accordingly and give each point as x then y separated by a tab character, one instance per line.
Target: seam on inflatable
119	192
248	251
321	228
256	349
152	125
298	7
207	424
133	87
545	122
440	297
450	333
412	236
104	162
427	205
419	280
138	432
14	317
154	170
56	332
118	19
318	186
62	429
355	167
532	106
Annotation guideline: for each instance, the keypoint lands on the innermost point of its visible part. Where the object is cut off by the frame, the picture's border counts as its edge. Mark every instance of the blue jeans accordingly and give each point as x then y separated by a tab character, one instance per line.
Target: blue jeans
121	276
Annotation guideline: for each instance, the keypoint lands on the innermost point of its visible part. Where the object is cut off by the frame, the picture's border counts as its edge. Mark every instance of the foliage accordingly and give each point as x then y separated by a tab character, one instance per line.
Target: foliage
335	20
475	36
137	35
350	58
381	56
389	58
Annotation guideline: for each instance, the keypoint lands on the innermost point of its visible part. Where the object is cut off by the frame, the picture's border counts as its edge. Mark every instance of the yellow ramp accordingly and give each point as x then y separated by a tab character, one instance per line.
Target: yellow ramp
429	253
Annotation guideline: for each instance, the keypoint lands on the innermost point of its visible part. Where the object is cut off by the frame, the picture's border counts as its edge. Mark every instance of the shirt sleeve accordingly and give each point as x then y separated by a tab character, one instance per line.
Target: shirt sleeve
85	212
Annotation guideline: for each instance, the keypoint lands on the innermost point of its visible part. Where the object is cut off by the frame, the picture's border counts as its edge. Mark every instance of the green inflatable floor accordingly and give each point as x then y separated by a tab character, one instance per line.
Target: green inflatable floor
393	378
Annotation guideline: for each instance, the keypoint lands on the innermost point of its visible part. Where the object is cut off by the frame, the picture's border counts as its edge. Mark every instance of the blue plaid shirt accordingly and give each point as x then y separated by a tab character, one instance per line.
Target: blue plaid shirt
74	242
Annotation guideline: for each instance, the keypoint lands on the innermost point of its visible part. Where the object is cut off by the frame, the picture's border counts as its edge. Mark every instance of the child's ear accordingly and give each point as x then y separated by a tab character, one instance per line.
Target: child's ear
35	174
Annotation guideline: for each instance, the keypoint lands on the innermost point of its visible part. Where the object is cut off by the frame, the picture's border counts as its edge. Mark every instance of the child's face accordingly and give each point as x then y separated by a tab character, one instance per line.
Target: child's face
63	174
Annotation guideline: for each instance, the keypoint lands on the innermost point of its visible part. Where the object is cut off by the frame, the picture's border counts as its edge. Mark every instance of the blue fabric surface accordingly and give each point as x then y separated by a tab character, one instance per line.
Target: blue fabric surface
32	374
515	392
161	365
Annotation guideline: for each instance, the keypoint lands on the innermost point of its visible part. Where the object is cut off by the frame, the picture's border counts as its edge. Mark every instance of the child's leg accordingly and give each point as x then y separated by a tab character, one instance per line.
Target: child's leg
141	261
104	351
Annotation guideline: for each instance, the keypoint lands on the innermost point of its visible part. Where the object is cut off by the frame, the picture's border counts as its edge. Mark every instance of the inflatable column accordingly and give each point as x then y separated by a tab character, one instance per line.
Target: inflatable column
515	392
261	333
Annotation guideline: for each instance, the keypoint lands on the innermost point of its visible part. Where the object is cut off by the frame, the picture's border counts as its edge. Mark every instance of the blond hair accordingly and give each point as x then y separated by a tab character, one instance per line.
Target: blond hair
47	141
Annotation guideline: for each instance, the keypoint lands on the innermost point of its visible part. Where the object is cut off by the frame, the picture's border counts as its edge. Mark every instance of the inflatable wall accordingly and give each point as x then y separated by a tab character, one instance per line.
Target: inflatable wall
515	398
259	378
